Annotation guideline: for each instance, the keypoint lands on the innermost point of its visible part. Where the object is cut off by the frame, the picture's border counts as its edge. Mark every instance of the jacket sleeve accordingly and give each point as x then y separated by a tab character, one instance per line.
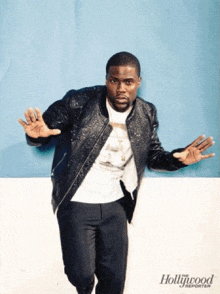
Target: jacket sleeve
158	158
59	115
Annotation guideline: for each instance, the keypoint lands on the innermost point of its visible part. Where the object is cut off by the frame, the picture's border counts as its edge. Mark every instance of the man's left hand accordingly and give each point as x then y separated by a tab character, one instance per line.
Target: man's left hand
193	152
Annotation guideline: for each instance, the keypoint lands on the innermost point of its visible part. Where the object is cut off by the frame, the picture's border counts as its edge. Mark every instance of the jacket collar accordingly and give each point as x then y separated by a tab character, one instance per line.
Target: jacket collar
102	99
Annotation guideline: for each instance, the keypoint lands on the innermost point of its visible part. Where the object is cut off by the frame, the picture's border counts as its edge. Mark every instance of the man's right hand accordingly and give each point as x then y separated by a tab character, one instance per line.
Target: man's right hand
35	126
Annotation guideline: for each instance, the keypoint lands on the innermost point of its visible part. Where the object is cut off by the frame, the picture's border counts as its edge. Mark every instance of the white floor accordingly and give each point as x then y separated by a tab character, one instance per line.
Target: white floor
175	231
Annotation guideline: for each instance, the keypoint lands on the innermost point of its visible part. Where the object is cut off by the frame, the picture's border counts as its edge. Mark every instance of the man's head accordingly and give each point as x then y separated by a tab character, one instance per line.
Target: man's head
124	59
122	80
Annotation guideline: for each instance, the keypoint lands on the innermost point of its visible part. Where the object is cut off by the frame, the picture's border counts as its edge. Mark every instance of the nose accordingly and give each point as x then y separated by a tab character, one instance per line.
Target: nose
120	87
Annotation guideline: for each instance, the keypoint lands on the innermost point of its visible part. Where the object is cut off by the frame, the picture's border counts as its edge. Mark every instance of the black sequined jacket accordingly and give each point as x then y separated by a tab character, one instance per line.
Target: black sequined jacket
83	120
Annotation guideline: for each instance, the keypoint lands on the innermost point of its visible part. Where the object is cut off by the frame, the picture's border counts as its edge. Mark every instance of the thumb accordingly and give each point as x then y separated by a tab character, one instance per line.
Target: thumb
177	154
55	132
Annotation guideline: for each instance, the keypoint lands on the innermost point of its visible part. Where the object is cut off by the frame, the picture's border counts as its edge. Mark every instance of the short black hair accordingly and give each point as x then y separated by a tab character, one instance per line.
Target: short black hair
124	58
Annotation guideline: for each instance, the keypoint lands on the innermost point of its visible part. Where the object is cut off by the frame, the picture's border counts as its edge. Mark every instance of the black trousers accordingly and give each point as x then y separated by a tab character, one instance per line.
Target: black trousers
94	242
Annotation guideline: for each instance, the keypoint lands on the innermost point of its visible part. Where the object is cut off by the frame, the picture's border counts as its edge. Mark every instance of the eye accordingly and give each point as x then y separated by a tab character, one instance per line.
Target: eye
113	81
128	82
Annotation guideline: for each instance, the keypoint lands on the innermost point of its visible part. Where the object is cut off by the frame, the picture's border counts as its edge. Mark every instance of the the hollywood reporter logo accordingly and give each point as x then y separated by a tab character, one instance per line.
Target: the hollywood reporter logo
187	281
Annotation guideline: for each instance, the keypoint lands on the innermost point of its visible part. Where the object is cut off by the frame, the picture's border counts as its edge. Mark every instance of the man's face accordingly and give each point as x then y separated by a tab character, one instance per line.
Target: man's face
122	83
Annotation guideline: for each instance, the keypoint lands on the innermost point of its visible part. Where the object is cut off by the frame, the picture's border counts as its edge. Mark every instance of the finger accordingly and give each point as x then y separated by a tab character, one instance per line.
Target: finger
205	144
26	114
21	122
31	114
39	114
197	141
207	156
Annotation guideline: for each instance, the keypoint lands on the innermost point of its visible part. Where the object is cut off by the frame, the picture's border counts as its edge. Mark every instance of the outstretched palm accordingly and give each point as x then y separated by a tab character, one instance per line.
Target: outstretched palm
35	126
193	152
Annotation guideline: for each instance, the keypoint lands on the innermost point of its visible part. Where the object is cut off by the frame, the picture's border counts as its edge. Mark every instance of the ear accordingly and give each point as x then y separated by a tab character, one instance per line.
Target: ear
139	81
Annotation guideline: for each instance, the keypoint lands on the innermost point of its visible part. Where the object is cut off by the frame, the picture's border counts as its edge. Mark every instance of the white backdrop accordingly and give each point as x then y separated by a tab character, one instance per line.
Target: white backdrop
175	231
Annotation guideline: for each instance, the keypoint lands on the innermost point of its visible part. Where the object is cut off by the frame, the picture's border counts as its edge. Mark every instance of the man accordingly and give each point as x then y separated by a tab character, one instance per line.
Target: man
106	135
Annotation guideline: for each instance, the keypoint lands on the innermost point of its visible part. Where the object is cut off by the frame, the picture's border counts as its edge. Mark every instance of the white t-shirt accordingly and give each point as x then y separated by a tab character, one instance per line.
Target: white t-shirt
114	163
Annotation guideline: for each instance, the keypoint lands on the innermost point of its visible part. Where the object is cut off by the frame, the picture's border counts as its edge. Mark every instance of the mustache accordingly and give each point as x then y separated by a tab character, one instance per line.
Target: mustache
118	96
121	96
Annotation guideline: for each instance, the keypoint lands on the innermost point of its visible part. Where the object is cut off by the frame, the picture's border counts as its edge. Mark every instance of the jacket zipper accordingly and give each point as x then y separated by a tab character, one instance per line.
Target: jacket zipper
102	131
64	155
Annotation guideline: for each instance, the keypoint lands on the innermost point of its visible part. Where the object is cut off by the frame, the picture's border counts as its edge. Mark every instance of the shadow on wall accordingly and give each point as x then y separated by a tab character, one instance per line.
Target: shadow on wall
23	161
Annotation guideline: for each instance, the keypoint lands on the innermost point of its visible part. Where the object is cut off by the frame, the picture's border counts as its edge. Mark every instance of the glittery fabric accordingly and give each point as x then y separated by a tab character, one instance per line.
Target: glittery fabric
83	120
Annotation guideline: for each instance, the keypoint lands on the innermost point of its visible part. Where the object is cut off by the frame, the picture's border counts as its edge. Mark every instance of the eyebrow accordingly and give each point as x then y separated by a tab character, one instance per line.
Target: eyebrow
126	79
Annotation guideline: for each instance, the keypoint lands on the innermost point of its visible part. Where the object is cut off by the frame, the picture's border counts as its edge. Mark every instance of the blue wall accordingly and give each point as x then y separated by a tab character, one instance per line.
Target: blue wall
49	47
